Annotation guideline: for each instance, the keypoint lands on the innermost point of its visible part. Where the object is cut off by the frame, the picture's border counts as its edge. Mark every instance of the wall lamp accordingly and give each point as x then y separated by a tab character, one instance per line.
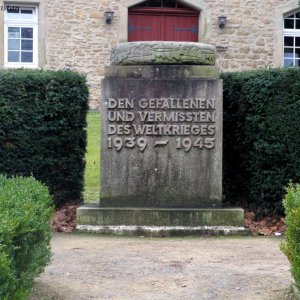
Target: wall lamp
108	16
222	21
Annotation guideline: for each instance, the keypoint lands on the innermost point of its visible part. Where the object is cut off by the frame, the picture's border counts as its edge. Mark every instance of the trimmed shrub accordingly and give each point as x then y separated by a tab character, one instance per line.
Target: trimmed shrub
261	134
25	233
42	129
291	247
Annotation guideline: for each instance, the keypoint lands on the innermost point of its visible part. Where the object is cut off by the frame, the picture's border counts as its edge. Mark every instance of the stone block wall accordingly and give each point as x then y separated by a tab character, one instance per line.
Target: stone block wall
78	38
249	39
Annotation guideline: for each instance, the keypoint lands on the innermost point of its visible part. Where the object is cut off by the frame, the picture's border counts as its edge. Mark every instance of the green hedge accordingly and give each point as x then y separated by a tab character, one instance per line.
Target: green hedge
42	129
291	247
261	134
25	232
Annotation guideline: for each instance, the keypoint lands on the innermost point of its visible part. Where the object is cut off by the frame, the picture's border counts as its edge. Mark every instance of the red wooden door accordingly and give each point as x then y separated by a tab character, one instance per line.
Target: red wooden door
163	24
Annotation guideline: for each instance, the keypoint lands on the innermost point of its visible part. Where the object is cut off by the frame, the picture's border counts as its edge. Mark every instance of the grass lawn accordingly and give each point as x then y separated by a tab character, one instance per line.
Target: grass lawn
92	168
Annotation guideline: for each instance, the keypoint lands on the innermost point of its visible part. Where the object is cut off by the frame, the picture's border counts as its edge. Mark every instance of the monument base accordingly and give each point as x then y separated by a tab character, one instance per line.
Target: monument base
161	222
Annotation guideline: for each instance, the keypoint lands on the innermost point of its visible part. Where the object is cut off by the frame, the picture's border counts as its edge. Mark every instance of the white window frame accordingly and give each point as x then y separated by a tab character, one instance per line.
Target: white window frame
21	23
290	33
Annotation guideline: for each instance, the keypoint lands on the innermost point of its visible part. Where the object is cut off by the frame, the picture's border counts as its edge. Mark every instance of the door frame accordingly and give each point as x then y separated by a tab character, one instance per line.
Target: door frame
204	26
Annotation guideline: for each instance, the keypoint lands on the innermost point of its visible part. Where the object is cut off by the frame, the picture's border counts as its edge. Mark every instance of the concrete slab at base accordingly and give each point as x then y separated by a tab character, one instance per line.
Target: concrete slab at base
164	231
161	221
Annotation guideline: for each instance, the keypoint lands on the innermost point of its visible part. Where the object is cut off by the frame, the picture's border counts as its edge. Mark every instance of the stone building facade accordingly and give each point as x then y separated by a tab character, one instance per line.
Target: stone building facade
73	34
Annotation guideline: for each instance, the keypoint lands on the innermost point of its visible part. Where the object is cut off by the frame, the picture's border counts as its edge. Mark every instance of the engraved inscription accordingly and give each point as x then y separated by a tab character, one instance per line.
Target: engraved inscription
201	143
184	124
161	143
119	143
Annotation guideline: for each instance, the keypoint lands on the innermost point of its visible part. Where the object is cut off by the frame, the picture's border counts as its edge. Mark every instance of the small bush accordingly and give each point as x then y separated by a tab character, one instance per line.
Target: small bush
42	129
291	247
25	233
261	134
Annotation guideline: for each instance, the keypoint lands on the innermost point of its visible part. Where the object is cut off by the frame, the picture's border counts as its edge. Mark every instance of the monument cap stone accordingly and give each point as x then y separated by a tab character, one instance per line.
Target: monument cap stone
163	53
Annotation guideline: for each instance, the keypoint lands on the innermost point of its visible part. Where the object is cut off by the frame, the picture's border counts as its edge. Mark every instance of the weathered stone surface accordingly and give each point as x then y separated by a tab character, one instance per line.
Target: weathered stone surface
92	214
160	53
163	71
161	141
78	38
160	222
165	231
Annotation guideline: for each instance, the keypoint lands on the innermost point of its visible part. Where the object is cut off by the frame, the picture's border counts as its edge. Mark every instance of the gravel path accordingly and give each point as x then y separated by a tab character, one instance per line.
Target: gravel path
100	267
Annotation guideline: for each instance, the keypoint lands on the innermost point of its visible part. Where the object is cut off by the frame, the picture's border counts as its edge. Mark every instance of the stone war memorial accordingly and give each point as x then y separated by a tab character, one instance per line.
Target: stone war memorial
161	144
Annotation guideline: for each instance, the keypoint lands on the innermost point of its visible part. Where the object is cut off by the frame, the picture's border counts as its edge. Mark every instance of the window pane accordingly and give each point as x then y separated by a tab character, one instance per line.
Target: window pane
289	24
13	9
26	11
298	15
288	41
13	44
297	41
26	57
297	52
13	32
27	14
27	33
288	52
288	62
297	63
13	56
297	24
27	45
12	13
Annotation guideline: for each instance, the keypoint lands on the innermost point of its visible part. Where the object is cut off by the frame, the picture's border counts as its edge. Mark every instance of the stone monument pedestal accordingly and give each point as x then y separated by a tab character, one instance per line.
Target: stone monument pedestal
161	222
161	144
